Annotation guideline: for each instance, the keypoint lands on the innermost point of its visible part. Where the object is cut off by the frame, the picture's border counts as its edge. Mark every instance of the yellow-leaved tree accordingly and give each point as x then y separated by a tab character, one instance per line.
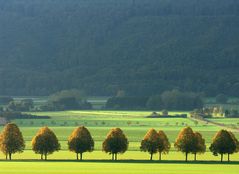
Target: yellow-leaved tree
236	143
199	145
80	141
150	143
223	143
185	141
164	144
11	140
45	142
115	142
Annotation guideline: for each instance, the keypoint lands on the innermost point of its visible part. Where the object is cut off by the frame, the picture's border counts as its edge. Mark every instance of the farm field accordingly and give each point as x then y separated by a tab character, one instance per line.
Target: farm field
135	125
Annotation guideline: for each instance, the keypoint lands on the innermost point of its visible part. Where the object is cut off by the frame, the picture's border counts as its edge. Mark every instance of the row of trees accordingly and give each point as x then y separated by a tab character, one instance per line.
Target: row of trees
72	99
45	142
172	100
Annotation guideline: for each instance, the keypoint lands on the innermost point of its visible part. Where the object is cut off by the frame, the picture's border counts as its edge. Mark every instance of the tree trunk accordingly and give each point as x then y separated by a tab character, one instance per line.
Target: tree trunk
186	157
77	156
112	156
81	155
160	156
10	156
6	156
41	156
195	157
45	156
228	157
151	156
221	157
116	157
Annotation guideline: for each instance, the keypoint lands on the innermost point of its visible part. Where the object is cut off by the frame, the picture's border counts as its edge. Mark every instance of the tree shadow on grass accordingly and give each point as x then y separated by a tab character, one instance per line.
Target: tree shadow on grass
125	161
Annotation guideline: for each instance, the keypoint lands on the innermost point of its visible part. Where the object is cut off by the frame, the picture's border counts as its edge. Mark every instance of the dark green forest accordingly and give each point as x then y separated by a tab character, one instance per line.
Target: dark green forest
143	47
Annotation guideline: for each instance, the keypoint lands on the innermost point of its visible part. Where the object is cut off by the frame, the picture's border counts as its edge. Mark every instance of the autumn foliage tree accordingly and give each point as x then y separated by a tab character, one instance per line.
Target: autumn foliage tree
164	144
198	145
150	143
80	141
223	143
185	141
236	143
45	142
11	140
115	142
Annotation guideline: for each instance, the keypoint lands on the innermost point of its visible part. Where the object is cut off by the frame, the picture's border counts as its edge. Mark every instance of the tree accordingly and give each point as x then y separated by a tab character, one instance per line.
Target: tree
177	100
66	100
45	142
199	144
164	144
236	143
80	141
150	143
223	143
115	142
185	141
11	140
72	93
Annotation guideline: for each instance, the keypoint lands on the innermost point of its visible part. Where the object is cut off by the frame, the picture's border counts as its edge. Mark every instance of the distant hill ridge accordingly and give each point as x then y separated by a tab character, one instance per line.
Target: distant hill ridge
101	46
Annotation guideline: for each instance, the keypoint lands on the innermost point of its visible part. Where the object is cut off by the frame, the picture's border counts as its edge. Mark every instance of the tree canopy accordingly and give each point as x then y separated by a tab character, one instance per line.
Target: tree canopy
223	142
199	144
150	142
185	141
164	144
11	140
45	142
80	141
115	142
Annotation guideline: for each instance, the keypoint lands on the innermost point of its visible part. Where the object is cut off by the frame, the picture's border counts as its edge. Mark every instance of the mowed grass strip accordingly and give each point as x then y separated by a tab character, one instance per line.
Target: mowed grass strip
129	155
116	168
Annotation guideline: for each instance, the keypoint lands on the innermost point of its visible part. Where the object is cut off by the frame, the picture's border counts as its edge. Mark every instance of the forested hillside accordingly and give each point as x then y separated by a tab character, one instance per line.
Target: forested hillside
143	47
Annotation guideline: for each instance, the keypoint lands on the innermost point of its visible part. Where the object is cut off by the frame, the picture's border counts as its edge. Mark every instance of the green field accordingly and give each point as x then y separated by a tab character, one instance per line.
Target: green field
135	125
